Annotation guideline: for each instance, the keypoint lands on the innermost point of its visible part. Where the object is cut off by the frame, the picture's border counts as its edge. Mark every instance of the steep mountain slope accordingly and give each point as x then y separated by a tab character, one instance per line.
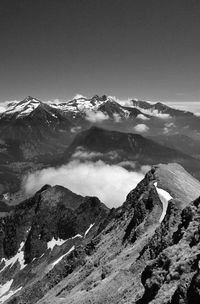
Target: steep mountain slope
133	257
34	134
116	147
31	118
31	123
178	121
107	105
180	142
160	108
37	233
31	134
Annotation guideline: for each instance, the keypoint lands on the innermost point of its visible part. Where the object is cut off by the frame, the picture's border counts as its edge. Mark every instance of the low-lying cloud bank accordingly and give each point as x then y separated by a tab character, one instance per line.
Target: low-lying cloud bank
110	183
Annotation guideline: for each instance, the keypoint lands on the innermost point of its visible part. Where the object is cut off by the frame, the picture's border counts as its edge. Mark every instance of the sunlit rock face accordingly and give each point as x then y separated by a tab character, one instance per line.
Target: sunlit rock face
109	252
37	234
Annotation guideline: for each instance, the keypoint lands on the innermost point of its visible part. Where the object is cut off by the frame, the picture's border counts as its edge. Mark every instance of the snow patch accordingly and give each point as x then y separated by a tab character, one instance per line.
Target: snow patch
5	288
62	256
51	244
86	232
18	257
165	197
23	108
8	295
77	235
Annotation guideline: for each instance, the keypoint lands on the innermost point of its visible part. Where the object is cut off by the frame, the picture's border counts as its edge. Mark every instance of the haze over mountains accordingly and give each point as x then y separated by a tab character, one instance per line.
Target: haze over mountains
36	135
99	202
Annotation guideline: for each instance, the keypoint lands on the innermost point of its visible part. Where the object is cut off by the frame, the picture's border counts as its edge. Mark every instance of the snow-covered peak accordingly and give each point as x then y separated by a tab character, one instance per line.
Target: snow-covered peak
24	107
81	104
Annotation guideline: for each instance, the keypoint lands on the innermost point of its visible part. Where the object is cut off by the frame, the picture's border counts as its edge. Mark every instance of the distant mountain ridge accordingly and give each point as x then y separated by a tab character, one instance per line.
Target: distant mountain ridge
29	104
117	147
35	134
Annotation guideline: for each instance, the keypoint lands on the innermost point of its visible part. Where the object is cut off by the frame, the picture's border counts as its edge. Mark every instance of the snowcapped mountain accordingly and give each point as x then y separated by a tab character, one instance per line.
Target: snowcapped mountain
22	108
82	110
31	119
79	106
40	132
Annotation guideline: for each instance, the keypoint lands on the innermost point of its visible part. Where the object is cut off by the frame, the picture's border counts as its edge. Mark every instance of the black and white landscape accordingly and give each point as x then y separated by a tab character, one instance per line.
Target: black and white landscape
97	197
100	192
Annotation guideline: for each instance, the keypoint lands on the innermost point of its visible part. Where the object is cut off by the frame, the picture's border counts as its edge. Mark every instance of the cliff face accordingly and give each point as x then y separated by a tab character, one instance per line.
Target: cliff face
39	231
132	255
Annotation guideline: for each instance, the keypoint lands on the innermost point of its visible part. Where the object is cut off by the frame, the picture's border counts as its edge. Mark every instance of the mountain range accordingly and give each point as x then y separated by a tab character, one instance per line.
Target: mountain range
59	247
36	135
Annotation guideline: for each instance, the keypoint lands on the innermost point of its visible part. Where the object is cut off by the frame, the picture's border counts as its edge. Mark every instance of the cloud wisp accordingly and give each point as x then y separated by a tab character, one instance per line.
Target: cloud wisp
141	128
96	116
143	117
110	183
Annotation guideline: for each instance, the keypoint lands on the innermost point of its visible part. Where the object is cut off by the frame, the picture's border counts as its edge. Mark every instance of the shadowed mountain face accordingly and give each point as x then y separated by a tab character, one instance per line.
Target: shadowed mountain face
34	134
182	143
130	255
33	119
116	147
38	232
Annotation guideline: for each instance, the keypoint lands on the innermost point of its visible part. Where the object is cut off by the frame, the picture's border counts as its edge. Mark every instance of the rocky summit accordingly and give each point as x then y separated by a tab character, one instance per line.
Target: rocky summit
59	247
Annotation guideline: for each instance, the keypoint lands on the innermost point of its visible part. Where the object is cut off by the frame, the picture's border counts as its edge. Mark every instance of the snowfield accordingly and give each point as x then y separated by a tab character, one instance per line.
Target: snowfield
165	197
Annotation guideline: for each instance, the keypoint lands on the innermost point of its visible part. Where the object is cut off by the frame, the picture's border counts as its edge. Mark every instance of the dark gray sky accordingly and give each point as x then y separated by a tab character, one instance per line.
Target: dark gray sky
148	49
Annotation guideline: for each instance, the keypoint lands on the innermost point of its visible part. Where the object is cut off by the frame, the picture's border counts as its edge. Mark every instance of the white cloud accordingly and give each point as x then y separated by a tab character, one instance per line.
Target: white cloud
116	117
80	153
155	113
127	163
143	117
96	116
141	128
123	102
168	127
165	130
75	129
54	101
145	168
191	106
79	96
110	183
169	124
112	155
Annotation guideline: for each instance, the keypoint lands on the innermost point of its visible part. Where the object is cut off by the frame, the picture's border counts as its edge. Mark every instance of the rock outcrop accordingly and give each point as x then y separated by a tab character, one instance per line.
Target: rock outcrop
130	256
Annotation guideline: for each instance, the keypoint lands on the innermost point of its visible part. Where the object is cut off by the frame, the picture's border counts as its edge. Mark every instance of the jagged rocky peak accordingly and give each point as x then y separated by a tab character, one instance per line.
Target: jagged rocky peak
141	104
136	258
52	212
136	254
24	107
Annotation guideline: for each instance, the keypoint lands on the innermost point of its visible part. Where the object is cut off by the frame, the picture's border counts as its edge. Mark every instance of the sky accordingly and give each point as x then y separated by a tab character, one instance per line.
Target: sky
149	49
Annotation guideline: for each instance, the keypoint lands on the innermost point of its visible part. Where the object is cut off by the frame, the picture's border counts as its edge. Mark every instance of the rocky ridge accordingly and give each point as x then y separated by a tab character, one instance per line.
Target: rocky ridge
37	233
131	257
